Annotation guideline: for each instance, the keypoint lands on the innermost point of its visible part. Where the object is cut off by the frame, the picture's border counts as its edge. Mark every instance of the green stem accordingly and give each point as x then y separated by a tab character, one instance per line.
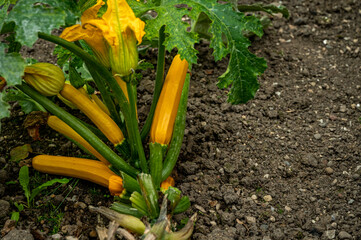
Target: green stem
158	84
106	96
89	136
138	145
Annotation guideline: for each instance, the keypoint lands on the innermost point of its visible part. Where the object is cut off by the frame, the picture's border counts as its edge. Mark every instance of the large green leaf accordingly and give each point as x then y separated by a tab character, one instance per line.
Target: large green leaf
176	29
12	66
33	16
226	38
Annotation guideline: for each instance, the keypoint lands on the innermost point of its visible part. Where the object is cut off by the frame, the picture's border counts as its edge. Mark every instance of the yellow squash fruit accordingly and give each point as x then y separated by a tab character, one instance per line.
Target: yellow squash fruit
86	169
105	124
167	106
63	128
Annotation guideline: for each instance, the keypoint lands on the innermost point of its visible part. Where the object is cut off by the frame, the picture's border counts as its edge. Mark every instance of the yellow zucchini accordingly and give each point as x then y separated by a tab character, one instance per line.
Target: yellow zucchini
63	128
100	104
167	106
94	113
86	169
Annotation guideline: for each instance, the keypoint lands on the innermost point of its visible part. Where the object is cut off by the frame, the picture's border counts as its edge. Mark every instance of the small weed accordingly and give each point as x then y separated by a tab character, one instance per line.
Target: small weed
279	209
16	214
53	219
24	181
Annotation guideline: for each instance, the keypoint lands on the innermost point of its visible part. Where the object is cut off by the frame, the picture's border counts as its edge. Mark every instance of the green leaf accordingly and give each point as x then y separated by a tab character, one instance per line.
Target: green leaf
34	16
24	181
4	5
177	35
85	4
20	152
12	66
15	216
37	190
27	104
4	108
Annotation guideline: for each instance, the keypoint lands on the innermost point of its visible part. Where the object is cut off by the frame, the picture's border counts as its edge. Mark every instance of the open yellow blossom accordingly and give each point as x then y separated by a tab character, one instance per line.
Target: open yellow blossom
113	37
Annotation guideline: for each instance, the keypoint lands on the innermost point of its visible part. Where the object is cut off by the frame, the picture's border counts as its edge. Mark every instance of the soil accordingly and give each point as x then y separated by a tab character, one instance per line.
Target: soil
286	165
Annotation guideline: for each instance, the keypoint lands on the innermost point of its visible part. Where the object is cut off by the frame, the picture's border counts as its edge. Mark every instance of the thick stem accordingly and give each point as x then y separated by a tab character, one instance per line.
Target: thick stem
138	145
158	84
88	135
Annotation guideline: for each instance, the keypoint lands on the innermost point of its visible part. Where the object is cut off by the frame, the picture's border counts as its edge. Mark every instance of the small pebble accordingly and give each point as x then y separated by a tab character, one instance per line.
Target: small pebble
56	236
272	219
317	136
254	197
344	235
329	170
250	219
4	208
343	108
288	209
80	205
330	234
267	198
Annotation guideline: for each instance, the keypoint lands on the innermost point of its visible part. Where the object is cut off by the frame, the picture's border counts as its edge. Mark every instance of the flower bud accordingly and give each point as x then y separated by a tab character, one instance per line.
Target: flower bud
124	55
46	78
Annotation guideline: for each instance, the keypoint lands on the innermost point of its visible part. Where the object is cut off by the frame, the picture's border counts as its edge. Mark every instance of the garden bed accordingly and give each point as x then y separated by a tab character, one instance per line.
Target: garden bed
286	165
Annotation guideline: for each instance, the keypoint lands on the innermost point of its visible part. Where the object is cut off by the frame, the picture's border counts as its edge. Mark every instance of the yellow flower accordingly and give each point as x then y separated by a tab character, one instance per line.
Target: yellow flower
113	37
46	78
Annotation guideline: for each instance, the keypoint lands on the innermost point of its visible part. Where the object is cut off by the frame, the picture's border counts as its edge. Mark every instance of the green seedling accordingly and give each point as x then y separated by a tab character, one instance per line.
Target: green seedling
31	194
15	215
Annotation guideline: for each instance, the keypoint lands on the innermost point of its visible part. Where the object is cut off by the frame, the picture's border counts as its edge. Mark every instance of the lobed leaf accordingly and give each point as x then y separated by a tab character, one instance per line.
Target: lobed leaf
12	66
34	16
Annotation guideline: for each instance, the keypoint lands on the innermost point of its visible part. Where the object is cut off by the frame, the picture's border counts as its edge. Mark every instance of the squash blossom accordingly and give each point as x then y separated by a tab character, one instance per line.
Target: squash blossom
113	37
46	78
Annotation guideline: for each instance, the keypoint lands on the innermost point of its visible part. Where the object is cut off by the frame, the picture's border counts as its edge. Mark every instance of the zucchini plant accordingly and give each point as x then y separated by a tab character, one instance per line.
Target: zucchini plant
98	50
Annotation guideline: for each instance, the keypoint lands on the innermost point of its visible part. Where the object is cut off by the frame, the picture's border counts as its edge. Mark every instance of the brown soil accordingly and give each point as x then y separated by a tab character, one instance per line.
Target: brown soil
286	165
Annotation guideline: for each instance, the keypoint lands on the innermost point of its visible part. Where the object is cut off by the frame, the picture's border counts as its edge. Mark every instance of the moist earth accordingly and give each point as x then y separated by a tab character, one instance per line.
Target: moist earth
286	165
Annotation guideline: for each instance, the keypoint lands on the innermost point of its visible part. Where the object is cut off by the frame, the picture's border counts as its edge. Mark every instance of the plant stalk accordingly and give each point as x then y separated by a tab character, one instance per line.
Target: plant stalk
133	124
159	79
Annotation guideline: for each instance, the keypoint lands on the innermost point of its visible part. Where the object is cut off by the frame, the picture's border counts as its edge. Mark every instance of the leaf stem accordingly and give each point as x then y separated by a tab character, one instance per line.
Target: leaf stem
89	136
134	127
158	83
